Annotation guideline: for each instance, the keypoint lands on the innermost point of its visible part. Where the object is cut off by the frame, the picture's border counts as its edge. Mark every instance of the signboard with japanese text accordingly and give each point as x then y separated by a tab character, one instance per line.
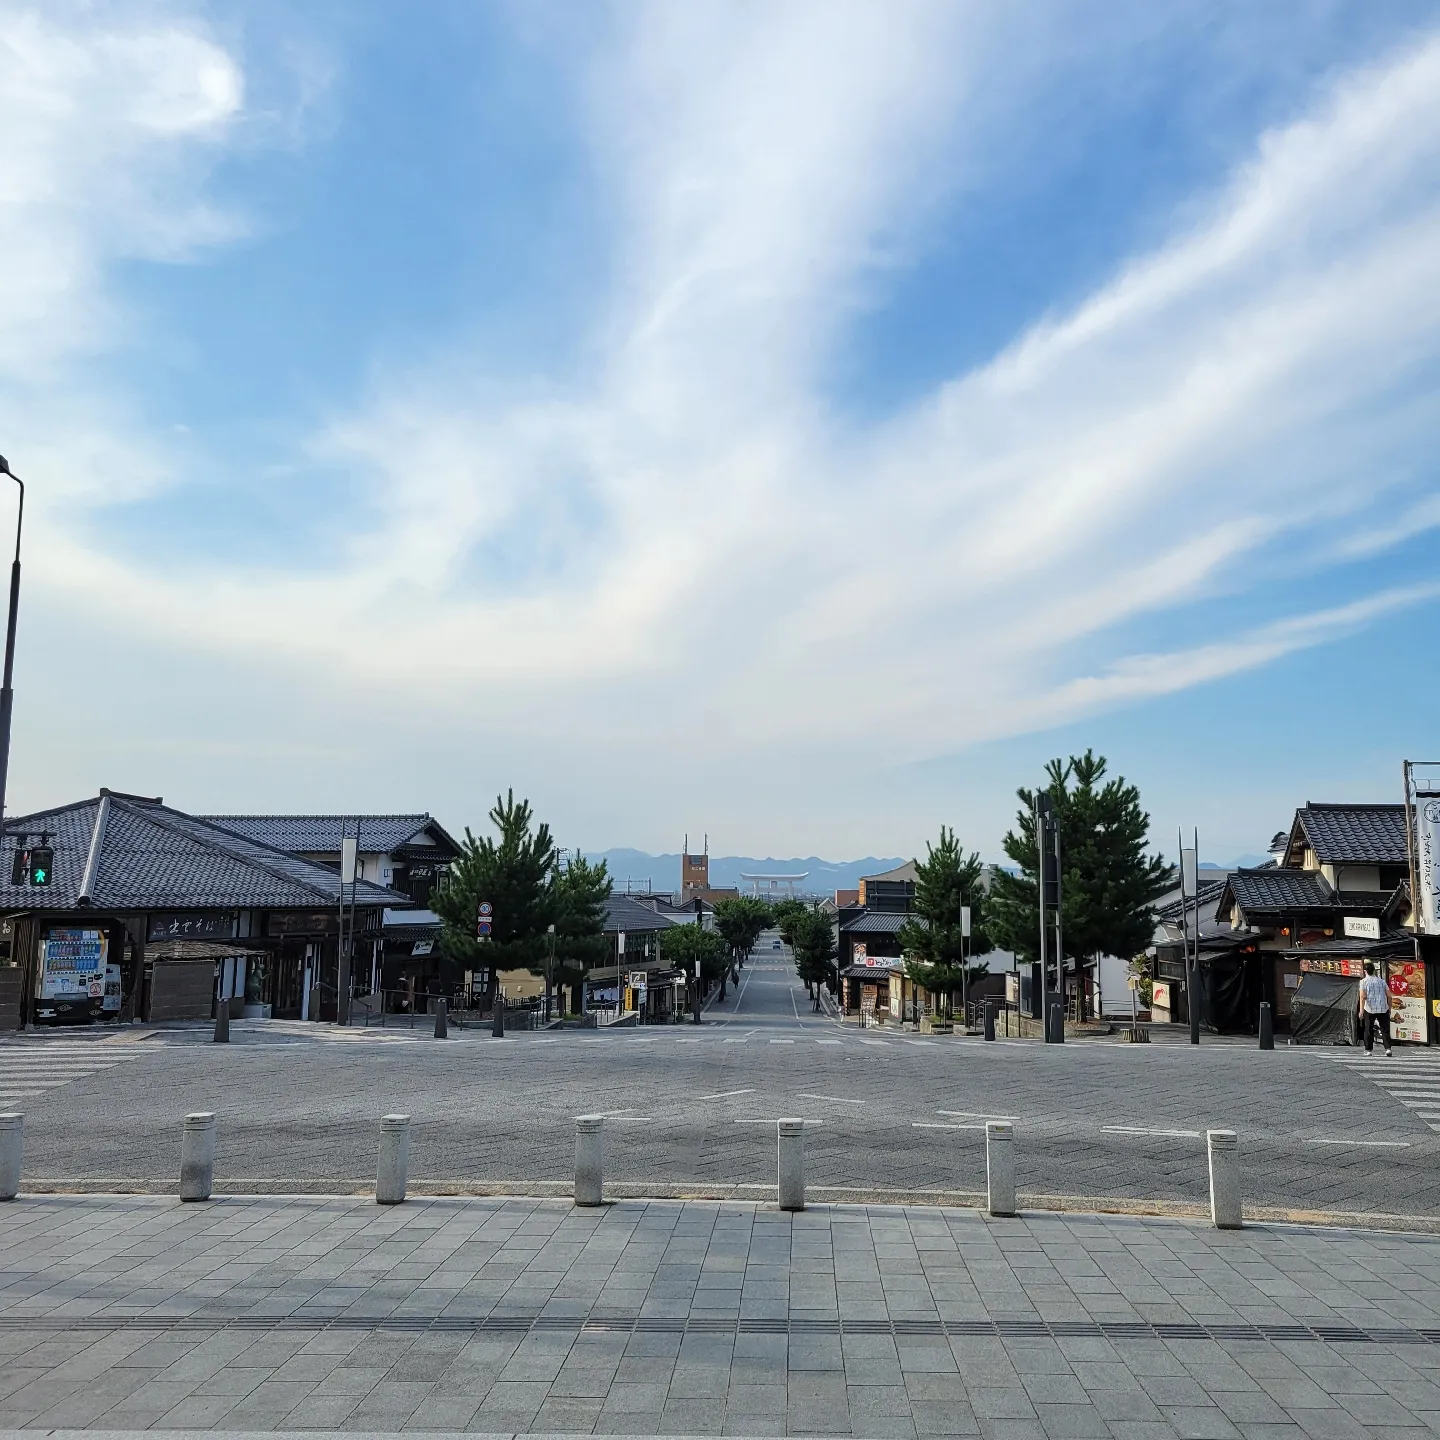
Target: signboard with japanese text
191	927
1406	979
1427	860
1347	965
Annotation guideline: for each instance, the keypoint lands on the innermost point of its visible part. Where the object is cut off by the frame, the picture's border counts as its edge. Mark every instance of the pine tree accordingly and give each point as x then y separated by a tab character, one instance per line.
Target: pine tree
513	874
812	937
576	903
946	881
1108	882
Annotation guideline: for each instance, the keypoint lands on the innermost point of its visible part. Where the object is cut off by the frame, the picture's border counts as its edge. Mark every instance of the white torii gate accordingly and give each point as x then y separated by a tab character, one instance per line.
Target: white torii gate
772	883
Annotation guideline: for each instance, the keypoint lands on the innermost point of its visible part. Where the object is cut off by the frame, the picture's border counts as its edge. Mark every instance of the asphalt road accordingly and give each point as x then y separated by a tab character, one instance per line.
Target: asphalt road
693	1106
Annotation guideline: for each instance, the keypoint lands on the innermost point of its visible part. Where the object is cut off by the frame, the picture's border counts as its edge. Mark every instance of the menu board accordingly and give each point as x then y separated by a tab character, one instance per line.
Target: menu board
1407	1000
1347	965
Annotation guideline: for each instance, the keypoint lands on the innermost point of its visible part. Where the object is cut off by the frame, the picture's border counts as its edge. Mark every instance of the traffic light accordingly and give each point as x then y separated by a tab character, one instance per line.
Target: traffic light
42	861
20	866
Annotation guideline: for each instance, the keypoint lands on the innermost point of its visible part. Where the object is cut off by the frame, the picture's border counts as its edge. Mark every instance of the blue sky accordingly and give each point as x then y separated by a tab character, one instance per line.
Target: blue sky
788	421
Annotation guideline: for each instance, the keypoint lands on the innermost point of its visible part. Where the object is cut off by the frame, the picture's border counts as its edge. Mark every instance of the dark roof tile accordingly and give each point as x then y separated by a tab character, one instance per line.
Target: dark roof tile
1354	834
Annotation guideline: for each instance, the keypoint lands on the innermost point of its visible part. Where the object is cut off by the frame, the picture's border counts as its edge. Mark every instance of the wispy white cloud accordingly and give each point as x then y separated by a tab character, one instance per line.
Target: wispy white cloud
1235	391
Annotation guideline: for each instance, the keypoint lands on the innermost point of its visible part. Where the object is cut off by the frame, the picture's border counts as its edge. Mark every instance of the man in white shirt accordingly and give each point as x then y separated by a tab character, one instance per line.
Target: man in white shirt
1374	1009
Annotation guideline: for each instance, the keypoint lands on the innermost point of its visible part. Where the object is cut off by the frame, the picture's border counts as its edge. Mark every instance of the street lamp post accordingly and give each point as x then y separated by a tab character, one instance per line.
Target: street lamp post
7	694
549	968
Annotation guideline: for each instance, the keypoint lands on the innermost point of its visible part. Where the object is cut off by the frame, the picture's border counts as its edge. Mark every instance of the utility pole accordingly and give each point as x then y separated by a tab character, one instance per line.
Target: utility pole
1042	836
1059	938
7	692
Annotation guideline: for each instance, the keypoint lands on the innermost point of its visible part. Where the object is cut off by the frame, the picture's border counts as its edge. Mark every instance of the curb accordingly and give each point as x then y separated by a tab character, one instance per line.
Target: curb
756	1194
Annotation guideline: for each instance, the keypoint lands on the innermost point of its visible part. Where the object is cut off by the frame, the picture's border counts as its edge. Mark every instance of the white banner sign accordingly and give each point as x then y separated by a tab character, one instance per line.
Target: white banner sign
1362	927
1427	860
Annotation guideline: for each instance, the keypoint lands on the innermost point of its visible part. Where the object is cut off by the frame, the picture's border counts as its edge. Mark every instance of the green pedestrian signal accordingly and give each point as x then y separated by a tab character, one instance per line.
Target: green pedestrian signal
42	861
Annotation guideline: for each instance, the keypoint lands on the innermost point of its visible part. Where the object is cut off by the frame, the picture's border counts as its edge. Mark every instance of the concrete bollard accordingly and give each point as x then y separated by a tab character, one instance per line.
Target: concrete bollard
392	1166
197	1156
12	1142
790	1164
1267	1026
442	1021
222	1023
989	1019
1224	1148
589	1160
1000	1166
497	1023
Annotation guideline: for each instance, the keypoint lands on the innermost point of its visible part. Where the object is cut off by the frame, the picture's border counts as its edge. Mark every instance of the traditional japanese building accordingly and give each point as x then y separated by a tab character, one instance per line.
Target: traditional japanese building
150	913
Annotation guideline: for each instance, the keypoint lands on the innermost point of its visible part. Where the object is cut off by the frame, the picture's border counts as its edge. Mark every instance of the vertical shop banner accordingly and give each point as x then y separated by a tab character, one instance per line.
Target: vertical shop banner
1407	1000
1427	860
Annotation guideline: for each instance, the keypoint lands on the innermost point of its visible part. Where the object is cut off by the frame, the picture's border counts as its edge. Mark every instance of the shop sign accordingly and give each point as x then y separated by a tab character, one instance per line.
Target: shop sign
1160	995
1362	927
191	927
1407	1000
312	923
422	947
858	954
1427	844
1349	966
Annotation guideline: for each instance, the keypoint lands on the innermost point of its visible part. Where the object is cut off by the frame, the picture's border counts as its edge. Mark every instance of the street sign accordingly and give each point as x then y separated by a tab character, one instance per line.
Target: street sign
965	921
482	929
486	908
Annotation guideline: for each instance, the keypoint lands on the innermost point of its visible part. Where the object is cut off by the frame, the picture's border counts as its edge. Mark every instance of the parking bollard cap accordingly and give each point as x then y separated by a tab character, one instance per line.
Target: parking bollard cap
200	1119
1222	1139
394	1122
11	1121
589	1122
1000	1129
791	1126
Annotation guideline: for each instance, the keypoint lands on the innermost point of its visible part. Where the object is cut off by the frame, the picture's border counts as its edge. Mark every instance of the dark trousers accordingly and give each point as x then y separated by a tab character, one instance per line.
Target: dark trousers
1372	1023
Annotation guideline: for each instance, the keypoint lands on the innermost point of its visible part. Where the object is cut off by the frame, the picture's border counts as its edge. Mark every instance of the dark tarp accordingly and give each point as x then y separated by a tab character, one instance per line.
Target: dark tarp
1322	1010
1231	994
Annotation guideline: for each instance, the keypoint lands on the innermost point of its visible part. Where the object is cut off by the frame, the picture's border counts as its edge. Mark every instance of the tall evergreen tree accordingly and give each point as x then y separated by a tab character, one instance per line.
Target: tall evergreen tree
946	881
513	873
682	945
739	921
812	937
576	904
1108	883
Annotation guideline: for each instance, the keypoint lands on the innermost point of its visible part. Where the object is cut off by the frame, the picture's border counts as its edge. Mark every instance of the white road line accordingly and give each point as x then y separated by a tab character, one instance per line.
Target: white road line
838	1099
1141	1130
735	1040
784	1042
978	1115
761	1120
1401	1144
827	1042
929	1044
879	1044
726	1094
938	1125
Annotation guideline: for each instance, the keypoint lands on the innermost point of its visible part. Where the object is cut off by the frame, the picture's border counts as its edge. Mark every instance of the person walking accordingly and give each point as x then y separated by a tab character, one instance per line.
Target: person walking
1374	1009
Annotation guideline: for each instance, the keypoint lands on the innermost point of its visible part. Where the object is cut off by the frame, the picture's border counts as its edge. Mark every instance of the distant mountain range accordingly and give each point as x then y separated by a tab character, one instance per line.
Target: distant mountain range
635	870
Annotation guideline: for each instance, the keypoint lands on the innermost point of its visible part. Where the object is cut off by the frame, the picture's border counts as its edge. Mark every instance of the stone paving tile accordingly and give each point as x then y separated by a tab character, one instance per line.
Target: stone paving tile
669	1259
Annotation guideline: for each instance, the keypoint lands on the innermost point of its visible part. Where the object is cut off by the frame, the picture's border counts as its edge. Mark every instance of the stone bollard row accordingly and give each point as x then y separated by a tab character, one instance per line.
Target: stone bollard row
589	1160
790	1164
1225	1202
12	1142
393	1161
197	1156
1000	1167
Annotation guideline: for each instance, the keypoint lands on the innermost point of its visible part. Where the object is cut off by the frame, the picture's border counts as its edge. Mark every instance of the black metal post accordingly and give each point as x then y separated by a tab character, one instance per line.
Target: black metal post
1267	1027
497	1023
1042	835
989	1019
1195	950
1059	938
222	1022
697	991
7	692
442	1020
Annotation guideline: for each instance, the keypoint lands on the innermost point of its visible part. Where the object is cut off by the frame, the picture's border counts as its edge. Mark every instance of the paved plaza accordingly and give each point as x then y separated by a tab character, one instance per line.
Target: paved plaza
690	1109
689	1318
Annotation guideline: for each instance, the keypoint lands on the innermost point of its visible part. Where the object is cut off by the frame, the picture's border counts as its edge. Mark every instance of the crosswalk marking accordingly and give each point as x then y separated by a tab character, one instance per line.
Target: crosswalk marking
33	1066
1411	1080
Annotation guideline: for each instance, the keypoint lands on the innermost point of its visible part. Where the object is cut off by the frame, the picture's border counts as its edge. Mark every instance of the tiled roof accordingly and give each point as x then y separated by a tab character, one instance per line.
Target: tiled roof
622	913
876	922
320	834
152	857
1354	834
1277	889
